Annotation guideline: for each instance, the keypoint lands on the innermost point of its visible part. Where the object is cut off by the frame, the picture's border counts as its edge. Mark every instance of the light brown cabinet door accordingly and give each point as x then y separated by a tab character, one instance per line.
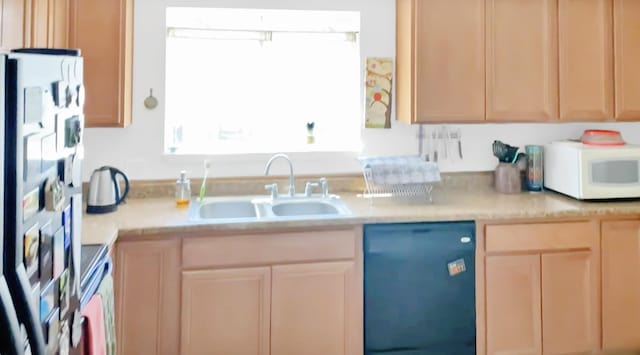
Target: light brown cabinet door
316	309
522	60
12	22
103	30
449	69
627	57
36	23
147	290
570	303
226	311
586	59
621	285
513	305
58	33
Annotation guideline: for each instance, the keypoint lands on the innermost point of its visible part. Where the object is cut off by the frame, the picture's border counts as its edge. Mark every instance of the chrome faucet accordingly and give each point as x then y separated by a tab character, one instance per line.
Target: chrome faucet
292	189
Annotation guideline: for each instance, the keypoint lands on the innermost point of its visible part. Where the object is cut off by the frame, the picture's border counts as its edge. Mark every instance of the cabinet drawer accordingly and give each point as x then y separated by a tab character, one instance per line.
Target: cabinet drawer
541	236
264	249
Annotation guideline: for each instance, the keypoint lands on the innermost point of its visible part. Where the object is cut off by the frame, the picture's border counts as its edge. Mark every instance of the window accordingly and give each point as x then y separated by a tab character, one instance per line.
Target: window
250	81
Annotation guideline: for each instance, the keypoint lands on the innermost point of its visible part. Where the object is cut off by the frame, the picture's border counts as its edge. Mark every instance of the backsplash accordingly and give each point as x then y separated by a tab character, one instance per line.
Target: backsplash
338	184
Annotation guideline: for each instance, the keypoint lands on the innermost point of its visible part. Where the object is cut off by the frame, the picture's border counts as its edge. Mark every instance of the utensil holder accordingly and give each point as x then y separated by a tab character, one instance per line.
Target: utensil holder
507	179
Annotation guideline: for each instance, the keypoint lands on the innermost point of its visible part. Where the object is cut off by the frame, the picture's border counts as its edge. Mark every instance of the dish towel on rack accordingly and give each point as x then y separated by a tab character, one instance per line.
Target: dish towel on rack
95	337
108	307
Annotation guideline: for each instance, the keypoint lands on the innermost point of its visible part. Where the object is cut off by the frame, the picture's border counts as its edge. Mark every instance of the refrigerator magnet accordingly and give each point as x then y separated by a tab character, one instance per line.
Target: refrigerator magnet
66	224
46	252
47	301
48	154
31	249
30	203
52	328
32	155
54	195
63	293
58	252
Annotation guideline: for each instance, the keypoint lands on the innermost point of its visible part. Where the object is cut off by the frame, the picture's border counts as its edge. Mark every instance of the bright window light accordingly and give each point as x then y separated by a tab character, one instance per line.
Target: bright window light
249	81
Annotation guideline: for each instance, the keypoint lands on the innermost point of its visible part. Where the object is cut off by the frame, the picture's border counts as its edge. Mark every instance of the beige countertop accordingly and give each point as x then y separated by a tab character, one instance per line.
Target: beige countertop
152	216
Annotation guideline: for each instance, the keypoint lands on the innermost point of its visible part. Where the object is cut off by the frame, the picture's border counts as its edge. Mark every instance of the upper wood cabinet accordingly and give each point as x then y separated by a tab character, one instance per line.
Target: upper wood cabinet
147	297
46	23
11	24
226	311
621	285
522	60
627	59
103	31
440	60
586	60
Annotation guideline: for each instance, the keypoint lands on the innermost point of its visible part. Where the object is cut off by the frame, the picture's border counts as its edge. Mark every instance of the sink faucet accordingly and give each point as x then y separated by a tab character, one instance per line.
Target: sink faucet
292	189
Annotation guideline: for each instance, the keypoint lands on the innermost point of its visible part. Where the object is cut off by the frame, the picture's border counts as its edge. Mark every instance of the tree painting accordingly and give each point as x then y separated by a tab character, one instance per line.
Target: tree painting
378	76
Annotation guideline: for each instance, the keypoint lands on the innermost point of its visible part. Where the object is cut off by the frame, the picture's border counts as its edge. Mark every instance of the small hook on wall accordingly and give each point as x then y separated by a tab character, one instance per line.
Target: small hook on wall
150	102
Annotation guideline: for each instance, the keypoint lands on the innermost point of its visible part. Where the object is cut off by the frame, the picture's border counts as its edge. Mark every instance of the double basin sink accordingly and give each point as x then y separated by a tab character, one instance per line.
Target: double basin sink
260	208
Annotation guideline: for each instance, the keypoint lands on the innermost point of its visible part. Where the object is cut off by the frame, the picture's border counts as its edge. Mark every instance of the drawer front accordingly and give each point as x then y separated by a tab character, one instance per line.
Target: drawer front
541	236
265	249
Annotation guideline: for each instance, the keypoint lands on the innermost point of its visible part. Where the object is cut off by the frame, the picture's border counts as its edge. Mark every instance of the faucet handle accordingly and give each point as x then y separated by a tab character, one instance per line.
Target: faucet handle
308	188
273	189
324	187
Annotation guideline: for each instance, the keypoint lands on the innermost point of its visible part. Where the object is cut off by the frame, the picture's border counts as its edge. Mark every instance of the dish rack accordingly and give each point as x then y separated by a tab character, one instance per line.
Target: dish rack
407	177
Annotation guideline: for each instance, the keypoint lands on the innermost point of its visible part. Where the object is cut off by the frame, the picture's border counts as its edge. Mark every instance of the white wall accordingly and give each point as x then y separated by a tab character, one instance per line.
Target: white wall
138	149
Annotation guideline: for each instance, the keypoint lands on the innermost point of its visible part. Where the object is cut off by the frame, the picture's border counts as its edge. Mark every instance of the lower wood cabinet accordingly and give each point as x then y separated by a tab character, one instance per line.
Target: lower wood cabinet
226	311
147	297
621	285
514	322
542	290
291	292
314	309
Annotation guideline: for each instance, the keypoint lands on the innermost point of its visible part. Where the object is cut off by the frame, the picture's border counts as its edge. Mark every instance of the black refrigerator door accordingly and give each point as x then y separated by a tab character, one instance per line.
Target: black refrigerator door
43	148
20	287
10	337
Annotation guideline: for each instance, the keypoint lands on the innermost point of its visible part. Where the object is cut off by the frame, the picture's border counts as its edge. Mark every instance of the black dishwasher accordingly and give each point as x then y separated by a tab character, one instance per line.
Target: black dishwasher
419	289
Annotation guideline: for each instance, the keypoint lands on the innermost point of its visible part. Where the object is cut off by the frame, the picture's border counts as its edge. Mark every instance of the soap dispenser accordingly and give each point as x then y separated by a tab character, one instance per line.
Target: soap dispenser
183	190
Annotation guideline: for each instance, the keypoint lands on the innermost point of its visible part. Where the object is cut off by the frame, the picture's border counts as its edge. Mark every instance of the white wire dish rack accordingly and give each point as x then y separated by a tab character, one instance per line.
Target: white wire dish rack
407	177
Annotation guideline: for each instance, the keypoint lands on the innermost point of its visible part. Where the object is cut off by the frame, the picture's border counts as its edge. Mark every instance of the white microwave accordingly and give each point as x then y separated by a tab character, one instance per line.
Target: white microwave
588	172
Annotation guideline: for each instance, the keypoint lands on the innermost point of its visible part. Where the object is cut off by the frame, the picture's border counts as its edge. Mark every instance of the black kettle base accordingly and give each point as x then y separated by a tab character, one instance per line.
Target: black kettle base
101	209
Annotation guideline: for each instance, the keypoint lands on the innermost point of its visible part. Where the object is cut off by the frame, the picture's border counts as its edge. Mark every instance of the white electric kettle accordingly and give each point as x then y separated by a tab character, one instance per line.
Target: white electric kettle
104	190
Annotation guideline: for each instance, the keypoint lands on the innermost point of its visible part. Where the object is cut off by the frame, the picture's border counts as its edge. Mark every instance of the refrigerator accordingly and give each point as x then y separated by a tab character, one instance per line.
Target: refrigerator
43	152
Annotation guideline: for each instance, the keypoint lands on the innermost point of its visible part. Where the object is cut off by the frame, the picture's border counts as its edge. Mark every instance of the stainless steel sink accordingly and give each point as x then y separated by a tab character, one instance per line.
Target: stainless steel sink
306	208
227	209
258	208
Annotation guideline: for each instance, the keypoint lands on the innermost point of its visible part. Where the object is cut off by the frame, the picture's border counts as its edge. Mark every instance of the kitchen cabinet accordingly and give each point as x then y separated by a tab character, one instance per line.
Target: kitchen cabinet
46	23
542	288
313	309
586	60
226	311
440	61
103	31
621	285
627	59
278	293
147	296
514	324
12	22
522	60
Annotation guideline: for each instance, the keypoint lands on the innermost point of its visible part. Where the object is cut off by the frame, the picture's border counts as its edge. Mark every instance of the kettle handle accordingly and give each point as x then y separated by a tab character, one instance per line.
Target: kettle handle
114	173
